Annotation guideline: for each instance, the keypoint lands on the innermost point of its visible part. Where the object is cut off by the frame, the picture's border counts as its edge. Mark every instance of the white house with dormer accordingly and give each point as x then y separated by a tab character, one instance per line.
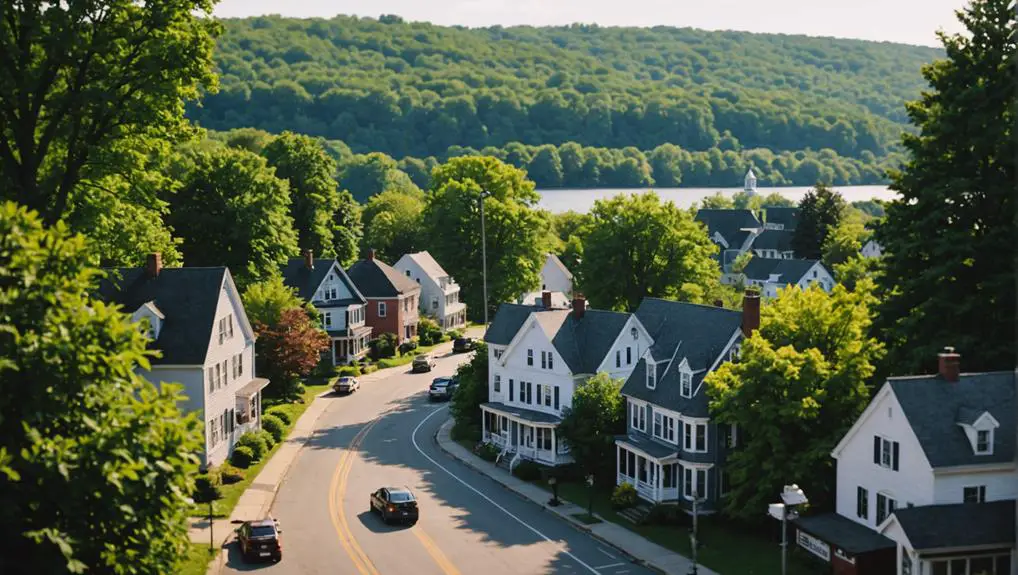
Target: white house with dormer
538	356
195	318
927	477
440	294
772	274
871	249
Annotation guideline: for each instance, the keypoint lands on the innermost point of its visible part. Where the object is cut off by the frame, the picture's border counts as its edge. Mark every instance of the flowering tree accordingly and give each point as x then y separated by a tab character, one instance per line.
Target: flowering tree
289	350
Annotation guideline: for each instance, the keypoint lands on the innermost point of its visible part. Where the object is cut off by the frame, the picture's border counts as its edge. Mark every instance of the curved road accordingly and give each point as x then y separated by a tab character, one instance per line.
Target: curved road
382	435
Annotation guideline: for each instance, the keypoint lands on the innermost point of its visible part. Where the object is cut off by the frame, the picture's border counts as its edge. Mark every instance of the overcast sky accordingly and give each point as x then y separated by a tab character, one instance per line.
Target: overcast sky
906	21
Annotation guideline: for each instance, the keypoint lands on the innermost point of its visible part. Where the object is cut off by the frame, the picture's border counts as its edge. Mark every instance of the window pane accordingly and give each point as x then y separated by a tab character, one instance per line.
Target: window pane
939	567
958	566
981	566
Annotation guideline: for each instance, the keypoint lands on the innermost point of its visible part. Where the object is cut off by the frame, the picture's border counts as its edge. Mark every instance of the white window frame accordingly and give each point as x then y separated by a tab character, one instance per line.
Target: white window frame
988	448
669	429
327	319
651	375
886	509
695	486
686	387
530	357
382	309
498	383
693	431
551	360
886	453
980	493
658	425
638	416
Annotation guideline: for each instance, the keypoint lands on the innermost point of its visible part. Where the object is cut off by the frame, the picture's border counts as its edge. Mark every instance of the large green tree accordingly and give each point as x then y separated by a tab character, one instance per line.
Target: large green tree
95	462
470	394
302	161
371	174
820	212
949	242
78	77
639	246
589	427
232	210
347	229
392	223
798	385
515	229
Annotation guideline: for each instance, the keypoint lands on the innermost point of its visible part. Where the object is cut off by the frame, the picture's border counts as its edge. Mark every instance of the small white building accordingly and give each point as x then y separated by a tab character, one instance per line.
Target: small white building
930	467
537	357
556	277
195	318
440	294
750	182
871	249
771	274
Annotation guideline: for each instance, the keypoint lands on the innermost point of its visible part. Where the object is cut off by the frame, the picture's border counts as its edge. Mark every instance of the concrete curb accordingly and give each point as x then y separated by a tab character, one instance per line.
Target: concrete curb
576	524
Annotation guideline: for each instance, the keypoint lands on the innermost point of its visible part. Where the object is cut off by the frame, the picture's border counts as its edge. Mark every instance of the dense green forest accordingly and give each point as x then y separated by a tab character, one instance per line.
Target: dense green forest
416	89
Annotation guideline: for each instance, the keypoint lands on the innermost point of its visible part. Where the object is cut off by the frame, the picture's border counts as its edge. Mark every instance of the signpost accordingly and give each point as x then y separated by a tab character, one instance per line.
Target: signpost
590	501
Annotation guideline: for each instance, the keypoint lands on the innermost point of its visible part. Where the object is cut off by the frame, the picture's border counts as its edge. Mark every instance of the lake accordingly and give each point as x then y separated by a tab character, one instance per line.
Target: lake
557	201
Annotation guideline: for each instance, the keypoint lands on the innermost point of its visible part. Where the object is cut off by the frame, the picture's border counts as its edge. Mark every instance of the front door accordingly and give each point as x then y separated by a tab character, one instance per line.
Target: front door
513	431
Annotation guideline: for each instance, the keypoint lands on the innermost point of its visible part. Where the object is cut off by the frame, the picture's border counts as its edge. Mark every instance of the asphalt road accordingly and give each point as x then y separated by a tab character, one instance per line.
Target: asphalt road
383	435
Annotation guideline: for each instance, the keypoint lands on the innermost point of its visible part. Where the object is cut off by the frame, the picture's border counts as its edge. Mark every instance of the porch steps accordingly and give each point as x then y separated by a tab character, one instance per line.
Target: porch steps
506	460
636	514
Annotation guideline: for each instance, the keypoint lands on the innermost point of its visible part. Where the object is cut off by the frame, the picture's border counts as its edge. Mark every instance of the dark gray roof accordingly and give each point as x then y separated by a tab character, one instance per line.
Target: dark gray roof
728	223
187	298
932	405
375	278
845	533
297	275
525	414
959	524
773	240
789	271
789	217
508	320
699	331
648	445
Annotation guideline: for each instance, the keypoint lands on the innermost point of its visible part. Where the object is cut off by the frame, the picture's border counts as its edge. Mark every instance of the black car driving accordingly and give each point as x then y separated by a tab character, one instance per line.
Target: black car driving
463	344
395	504
260	540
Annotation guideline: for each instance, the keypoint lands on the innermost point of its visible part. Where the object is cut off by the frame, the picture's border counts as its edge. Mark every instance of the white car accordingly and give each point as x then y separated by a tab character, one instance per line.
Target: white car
346	385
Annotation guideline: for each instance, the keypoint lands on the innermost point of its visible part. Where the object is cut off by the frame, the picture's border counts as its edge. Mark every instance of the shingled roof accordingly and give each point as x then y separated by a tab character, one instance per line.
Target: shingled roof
307	281
187	298
375	278
959	525
508	320
731	224
779	240
934	406
427	263
788	217
788	271
698	333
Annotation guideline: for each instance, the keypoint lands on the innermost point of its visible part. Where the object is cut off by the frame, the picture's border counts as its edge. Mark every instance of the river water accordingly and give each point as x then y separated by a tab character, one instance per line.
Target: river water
557	201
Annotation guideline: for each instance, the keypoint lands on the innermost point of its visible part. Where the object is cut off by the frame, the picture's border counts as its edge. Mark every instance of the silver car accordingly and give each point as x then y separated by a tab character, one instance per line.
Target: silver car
346	385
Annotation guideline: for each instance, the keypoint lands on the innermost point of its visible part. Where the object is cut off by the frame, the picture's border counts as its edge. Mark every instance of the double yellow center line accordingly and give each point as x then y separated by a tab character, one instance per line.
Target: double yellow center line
337	488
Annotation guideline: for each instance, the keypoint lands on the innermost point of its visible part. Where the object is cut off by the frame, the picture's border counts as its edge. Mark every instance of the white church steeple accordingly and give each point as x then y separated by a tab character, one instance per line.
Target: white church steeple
750	181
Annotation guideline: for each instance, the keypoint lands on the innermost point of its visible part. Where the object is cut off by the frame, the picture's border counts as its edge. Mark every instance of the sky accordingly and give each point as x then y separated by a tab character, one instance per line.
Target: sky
904	21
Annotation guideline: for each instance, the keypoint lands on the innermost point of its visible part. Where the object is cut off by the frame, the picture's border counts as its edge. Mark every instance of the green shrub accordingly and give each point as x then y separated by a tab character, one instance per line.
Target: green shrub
255	442
407	346
230	474
624	496
527	470
281	414
383	346
274	425
488	451
455	333
428	331
667	515
267	437
243	456
207	486
368	369
349	371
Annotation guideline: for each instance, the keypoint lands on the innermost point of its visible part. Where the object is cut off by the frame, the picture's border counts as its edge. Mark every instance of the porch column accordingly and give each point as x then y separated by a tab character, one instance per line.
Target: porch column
332	350
484	425
618	461
657	484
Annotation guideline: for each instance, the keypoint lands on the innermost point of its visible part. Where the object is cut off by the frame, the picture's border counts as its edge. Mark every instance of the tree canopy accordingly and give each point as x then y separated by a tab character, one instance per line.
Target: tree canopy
597	415
820	212
948	276
393	224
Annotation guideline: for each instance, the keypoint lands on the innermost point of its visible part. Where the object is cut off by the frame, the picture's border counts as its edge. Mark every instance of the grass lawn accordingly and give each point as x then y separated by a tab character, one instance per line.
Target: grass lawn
197	560
223	507
723	548
586	519
405	359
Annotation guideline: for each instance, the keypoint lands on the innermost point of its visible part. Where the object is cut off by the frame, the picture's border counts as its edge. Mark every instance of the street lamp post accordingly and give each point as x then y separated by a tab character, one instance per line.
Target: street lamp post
590	499
694	543
553	481
484	258
791	496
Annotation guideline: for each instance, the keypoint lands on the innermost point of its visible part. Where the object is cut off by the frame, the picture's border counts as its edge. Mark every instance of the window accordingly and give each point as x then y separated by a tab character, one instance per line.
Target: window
982	441
885	452
885	506
240	364
208	379
695	437
547	396
974	494
222	330
687	436
687	481
408	273
639	416
213	432
229	320
629	355
862	503
544	439
381	309
233	367
219	376
694	483
530	357
498	383
544	360
530	392
498	353
511	398
331	293
687	384
669	431
406	304
658	431
651	375
551	361
618	358
327	319
556	398
233	419
701	437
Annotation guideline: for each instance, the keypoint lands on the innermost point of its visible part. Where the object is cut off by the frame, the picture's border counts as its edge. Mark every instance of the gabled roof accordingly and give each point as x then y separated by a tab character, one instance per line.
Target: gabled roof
375	278
731	224
932	405
509	318
535	298
845	533
307	281
428	264
789	217
789	271
780	240
561	266
187	298
703	332
958	525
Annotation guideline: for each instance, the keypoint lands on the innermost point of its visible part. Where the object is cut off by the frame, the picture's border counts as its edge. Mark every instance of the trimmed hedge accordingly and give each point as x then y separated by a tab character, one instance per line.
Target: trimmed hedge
267	438
274	426
207	486
349	371
281	414
527	470
243	456
624	496
230	474
255	442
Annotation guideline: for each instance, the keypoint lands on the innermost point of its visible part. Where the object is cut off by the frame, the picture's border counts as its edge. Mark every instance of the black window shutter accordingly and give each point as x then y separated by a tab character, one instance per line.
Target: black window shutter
539	393
556	397
510	390
894	456
876	450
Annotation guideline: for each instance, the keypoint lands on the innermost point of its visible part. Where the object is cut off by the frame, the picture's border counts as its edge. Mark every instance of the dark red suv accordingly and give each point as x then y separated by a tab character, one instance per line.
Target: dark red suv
260	540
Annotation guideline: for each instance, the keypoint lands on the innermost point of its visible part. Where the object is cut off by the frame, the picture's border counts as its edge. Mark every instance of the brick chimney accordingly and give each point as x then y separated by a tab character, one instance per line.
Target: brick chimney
546	299
750	313
309	259
579	305
153	264
949	364
371	254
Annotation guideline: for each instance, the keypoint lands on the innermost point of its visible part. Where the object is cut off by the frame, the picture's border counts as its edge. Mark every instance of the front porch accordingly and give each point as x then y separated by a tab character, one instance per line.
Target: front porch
349	345
525	433
455	316
650	467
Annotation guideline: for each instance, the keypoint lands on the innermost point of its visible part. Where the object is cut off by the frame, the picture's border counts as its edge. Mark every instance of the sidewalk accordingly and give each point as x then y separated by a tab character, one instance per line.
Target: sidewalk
256	501
628	543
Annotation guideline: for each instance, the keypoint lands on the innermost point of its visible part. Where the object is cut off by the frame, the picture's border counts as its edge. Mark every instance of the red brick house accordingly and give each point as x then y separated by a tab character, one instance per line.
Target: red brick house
392	297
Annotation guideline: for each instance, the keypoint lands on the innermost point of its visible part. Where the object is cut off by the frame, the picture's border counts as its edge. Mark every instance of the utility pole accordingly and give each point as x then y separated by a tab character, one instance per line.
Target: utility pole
693	542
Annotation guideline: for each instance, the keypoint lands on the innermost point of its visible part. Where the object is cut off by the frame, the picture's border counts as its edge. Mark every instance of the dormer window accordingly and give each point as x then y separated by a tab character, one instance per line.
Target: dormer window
983	441
686	380
979	426
651	375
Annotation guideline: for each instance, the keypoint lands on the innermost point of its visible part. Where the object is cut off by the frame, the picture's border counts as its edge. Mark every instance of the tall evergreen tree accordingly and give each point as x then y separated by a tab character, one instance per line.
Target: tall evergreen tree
820	212
949	241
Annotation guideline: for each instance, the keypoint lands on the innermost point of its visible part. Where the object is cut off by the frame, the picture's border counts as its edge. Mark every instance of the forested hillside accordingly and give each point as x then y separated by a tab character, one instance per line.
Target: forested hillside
415	89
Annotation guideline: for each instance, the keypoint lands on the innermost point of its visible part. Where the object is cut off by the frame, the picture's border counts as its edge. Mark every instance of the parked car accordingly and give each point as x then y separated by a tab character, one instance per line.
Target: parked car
422	364
395	504
441	388
346	385
260	540
464	344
